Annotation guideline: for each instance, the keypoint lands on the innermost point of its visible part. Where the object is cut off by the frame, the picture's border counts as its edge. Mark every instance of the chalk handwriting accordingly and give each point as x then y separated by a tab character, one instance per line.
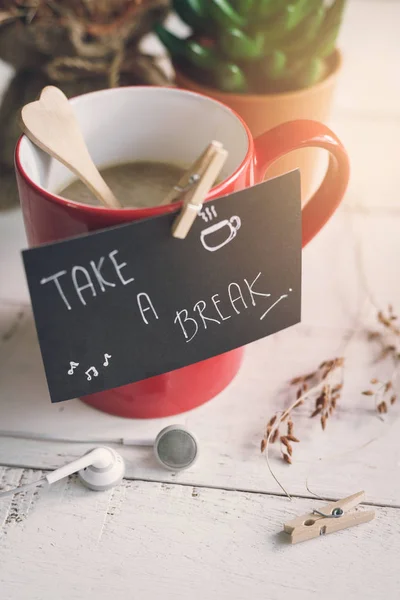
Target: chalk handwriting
73	366
252	292
201	307
119	267
55	278
106	362
178	319
79	288
274	304
145	305
240	297
97	272
216	302
237	287
91	370
88	281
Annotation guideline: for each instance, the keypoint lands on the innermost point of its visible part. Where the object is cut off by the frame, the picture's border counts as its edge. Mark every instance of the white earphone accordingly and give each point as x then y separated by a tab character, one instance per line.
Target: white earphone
102	468
176	448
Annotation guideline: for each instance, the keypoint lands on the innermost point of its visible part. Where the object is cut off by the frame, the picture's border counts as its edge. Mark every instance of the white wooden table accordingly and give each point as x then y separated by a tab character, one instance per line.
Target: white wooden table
215	531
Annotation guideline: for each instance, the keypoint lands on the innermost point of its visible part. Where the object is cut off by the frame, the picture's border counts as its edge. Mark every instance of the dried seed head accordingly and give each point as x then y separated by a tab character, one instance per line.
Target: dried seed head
337	388
385	352
373	335
305	387
323	422
283	439
316	412
382	407
339	362
289	449
268	431
393	399
297	380
374	381
299	393
326	373
275	436
287	458
368	393
263	444
388	386
309	376
298	403
382	319
333	402
290	426
292	438
272	420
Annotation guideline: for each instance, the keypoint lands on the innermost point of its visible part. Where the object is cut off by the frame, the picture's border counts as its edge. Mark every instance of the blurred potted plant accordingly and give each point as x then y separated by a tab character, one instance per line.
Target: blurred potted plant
80	46
269	60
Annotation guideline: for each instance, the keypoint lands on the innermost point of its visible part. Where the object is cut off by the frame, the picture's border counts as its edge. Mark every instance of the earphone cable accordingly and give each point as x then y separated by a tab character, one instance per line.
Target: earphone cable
24	487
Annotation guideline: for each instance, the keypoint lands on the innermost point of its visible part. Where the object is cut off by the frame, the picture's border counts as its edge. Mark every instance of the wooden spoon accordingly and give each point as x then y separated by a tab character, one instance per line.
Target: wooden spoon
51	124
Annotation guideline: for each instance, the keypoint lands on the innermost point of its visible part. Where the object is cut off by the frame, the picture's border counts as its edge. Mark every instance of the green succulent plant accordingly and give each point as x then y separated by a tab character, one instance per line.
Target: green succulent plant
255	46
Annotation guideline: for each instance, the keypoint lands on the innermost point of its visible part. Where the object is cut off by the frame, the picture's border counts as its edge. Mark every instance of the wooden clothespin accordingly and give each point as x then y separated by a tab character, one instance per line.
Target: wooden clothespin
192	174
199	179
330	518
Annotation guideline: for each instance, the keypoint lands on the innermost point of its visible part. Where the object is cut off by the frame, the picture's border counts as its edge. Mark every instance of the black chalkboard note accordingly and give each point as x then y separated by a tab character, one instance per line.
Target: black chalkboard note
130	302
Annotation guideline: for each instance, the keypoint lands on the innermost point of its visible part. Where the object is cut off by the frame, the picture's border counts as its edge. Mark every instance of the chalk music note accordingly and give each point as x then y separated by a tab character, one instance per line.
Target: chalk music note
93	370
73	366
106	357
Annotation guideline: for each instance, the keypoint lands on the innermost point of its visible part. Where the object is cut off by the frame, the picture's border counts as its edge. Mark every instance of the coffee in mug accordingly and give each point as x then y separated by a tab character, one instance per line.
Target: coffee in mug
140	184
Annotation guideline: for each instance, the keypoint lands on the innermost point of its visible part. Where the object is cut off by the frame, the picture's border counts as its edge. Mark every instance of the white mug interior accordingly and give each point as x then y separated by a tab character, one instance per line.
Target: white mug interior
142	124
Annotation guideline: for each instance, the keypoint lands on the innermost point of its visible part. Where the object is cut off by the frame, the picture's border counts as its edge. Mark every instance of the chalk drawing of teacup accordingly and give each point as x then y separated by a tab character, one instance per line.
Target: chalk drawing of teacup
232	226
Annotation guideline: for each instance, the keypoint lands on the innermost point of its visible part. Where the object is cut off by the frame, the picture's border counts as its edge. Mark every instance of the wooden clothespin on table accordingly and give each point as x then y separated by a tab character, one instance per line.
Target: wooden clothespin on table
195	185
330	518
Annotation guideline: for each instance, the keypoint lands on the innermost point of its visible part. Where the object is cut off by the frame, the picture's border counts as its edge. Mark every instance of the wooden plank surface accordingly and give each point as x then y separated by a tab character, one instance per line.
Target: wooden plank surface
152	540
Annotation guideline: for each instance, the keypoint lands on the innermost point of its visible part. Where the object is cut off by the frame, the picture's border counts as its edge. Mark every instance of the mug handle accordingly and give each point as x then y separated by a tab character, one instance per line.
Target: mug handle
295	135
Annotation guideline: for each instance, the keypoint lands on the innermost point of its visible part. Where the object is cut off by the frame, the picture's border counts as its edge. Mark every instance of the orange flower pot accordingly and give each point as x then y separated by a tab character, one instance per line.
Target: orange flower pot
264	111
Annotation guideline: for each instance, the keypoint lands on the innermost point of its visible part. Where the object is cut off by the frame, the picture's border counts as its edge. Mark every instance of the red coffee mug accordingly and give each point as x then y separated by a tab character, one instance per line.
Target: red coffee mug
166	125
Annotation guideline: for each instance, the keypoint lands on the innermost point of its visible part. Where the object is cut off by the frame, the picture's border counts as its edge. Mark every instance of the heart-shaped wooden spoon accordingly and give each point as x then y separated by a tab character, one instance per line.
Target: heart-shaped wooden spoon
50	124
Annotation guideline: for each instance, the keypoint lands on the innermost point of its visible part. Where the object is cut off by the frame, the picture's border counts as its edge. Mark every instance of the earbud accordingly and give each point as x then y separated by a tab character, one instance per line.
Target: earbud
100	469
175	448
